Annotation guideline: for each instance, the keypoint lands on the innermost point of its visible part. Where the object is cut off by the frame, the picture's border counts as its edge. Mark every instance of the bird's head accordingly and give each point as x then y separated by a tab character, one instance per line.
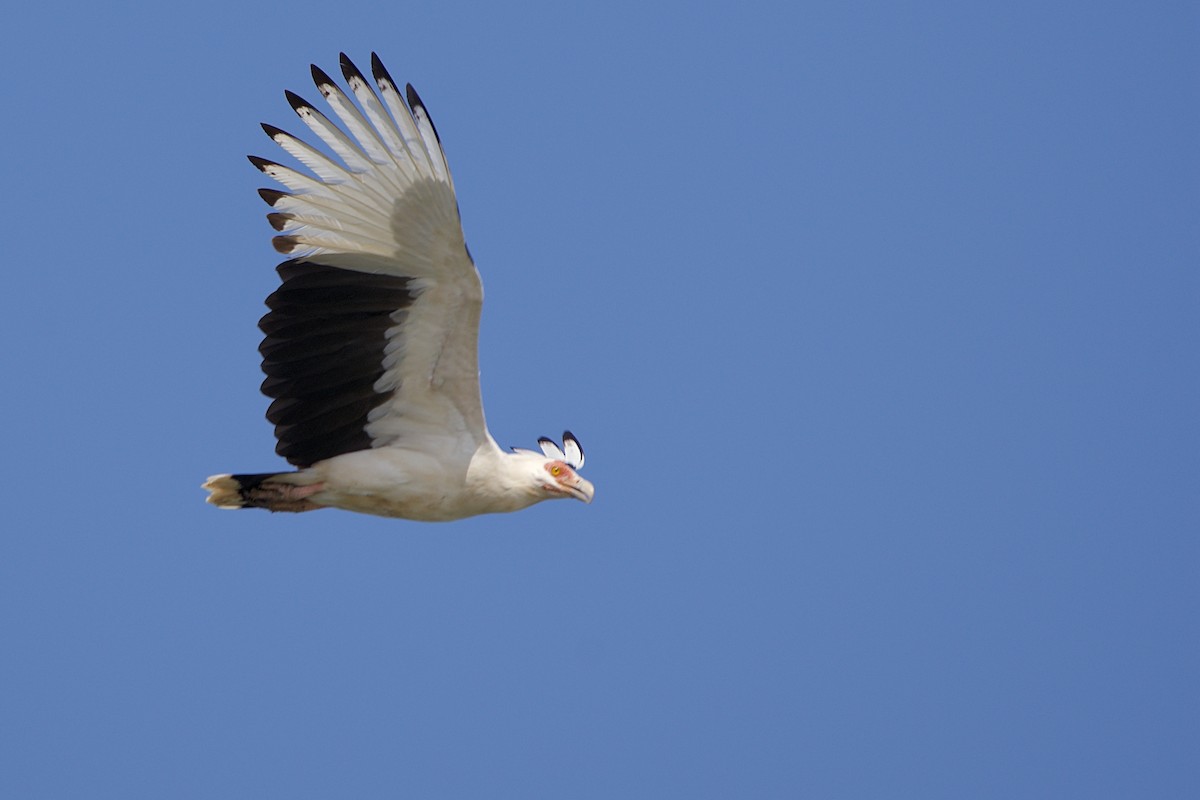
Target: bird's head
555	471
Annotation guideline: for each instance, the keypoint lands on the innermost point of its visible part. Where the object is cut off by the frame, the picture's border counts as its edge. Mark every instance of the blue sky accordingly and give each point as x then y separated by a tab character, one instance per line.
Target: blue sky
878	322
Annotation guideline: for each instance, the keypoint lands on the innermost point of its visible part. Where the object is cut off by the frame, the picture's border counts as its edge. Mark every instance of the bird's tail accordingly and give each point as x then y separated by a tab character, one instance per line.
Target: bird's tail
269	490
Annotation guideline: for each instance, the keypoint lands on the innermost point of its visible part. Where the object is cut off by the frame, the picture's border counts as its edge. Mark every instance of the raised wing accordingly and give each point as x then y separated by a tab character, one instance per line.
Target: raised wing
371	340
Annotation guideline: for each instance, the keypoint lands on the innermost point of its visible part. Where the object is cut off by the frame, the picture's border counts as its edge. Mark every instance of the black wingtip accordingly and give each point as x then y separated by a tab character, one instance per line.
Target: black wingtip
321	79
285	244
569	437
414	102
379	71
271	196
272	131
262	164
278	220
349	71
296	101
414	99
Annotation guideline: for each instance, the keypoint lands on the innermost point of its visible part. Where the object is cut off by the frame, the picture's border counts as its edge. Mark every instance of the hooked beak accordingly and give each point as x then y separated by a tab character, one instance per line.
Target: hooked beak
582	489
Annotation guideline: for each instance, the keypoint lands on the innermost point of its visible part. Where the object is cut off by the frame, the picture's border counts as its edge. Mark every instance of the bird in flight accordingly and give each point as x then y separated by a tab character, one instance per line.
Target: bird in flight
370	343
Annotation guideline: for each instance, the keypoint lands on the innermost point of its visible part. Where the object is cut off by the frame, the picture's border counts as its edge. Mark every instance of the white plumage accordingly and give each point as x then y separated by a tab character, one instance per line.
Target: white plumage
370	345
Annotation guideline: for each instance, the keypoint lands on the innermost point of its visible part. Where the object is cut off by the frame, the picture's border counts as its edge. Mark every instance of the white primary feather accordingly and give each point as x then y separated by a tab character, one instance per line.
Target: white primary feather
551	450
572	450
365	135
381	124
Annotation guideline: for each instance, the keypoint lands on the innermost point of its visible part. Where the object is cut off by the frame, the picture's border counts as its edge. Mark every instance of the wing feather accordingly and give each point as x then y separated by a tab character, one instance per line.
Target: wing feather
429	136
371	338
406	124
364	134
381	123
342	145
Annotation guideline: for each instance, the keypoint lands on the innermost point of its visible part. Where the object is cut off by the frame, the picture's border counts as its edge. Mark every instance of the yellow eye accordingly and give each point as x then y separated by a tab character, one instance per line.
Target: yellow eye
556	470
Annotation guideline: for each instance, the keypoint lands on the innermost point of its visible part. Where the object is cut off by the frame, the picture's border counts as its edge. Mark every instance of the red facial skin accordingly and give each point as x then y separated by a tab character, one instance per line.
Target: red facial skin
560	472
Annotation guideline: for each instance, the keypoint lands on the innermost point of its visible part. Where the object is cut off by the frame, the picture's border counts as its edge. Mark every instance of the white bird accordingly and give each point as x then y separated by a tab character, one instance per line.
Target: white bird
371	341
